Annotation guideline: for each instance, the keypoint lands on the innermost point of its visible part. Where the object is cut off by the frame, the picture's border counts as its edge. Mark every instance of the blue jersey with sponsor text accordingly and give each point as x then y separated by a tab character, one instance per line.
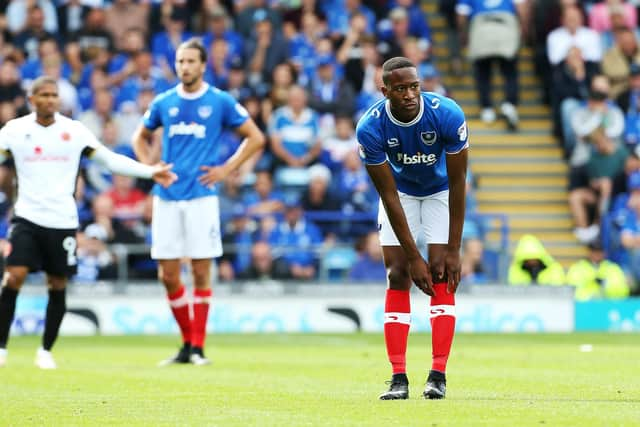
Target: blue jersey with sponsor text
416	150
192	124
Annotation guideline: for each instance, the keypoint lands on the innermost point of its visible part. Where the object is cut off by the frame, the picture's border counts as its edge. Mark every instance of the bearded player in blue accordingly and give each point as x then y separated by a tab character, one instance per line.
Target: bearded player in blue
414	145
186	217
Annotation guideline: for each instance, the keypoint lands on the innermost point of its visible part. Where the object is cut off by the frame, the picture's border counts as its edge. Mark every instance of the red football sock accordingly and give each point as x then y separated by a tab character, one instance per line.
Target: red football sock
179	303
443	323
397	319
201	300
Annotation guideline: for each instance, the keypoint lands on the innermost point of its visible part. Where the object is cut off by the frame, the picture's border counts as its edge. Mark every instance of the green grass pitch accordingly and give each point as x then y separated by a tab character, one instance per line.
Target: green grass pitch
324	380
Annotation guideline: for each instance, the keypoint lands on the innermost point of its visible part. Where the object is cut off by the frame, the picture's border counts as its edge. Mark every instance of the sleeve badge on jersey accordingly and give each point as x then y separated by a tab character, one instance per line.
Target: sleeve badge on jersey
241	110
204	111
462	131
361	152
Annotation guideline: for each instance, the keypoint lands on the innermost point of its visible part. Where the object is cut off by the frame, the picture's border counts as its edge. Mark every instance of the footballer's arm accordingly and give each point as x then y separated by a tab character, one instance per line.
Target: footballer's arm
253	142
123	165
385	185
457	175
144	146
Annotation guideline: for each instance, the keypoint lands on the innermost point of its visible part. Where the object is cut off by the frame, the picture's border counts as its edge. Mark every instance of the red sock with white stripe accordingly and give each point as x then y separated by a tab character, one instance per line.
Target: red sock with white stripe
443	323
179	303
397	320
201	300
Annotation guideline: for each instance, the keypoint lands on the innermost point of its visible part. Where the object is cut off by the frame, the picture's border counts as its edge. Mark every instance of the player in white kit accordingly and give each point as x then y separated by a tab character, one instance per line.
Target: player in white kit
46	148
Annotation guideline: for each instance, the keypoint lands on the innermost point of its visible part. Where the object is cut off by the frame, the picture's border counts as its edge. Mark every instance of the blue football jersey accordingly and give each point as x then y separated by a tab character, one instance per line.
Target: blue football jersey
192	125
416	151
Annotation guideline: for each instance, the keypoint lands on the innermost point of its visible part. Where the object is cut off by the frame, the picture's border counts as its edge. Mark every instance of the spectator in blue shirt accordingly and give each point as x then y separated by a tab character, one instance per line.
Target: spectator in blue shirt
296	239
294	131
218	29
369	267
165	43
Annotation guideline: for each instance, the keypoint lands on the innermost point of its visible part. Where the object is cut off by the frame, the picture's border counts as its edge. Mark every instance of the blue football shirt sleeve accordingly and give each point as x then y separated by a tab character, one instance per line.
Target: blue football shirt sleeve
152	119
234	113
455	130
369	146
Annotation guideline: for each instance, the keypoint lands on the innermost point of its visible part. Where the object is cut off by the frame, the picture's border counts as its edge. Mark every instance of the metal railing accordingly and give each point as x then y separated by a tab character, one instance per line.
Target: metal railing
488	222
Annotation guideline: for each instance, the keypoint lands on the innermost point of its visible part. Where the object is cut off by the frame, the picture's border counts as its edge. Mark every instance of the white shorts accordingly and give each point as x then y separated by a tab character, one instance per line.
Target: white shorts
428	219
186	228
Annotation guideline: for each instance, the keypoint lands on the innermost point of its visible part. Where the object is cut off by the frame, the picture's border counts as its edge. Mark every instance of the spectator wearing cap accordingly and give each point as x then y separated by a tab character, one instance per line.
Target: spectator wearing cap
394	40
617	60
418	25
598	124
296	240
596	277
329	94
257	11
319	196
218	28
264	50
430	79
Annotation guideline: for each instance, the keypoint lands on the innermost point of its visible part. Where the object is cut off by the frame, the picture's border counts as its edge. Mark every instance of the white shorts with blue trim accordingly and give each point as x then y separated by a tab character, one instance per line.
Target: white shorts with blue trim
186	228
428	219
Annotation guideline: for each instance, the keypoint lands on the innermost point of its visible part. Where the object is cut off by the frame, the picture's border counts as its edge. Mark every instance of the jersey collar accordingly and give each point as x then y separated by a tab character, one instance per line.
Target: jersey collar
387	107
192	95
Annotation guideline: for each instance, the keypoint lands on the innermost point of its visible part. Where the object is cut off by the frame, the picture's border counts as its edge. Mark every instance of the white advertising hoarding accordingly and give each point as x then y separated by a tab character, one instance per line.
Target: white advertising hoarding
116	315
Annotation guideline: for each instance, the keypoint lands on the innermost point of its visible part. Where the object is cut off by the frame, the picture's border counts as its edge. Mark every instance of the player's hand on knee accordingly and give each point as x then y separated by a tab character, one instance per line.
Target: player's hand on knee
421	276
453	266
163	175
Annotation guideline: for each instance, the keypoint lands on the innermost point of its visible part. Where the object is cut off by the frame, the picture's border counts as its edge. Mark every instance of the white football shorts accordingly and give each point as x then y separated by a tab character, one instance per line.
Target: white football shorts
186	228
428	219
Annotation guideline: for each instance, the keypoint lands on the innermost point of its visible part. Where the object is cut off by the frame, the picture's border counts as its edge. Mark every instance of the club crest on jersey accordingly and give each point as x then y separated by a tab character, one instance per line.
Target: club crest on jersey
429	137
65	136
204	111
173	111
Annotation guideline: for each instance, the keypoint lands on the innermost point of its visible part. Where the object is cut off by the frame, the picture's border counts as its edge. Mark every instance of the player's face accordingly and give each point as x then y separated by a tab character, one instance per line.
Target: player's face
403	91
189	66
46	101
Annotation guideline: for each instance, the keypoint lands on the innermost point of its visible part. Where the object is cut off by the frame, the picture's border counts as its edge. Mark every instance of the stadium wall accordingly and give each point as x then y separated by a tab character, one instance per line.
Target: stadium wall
324	308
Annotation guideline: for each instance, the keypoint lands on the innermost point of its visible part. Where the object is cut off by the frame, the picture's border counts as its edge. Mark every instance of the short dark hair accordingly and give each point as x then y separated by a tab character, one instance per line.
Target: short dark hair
40	82
195	43
394	64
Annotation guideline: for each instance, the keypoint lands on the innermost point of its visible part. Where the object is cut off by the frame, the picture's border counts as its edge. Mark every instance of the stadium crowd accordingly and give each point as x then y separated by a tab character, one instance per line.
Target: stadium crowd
306	71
